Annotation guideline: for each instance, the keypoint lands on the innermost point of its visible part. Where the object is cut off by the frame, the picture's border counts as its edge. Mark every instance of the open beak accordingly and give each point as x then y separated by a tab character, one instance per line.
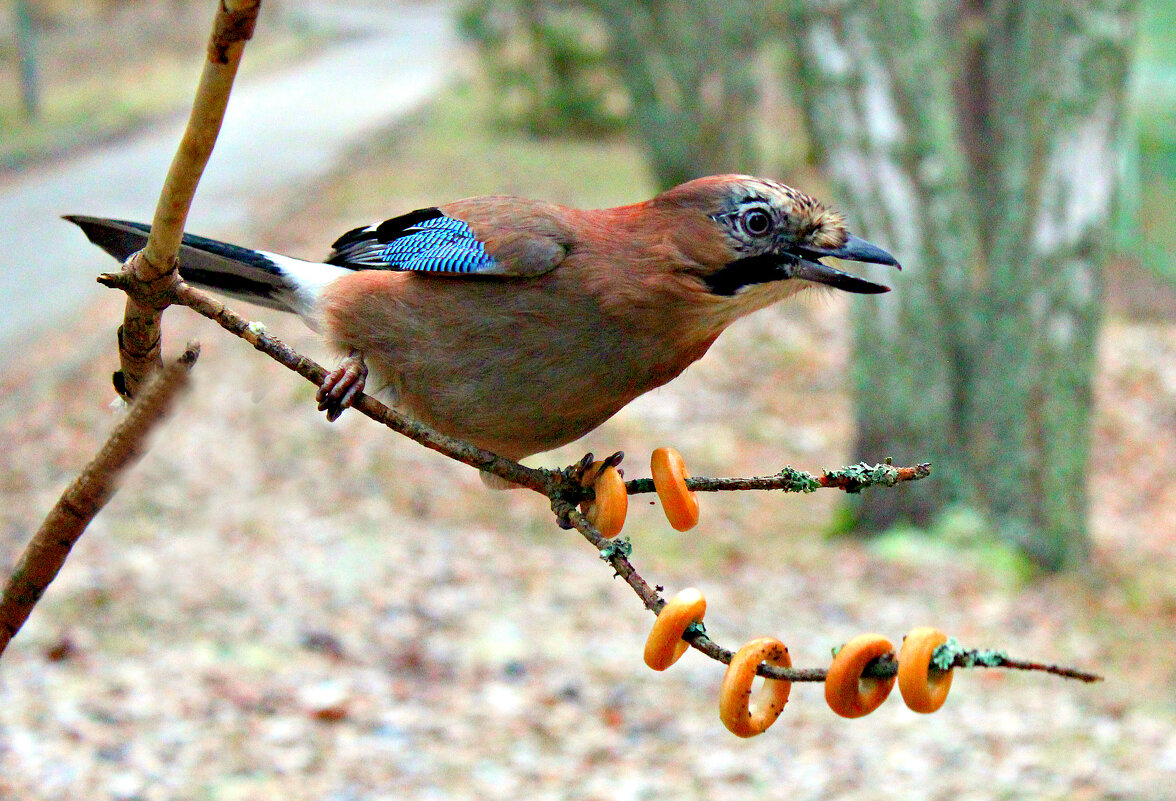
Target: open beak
810	268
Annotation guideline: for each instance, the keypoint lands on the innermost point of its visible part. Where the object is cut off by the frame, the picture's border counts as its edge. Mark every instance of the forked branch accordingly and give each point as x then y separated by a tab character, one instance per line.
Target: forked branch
154	267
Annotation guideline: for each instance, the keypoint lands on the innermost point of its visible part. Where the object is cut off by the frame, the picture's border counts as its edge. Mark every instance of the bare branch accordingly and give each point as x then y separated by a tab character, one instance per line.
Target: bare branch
542	481
851	479
85	497
616	553
139	336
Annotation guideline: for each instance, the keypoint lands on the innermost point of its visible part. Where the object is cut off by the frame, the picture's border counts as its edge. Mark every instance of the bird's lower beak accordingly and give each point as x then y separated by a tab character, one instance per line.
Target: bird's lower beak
810	268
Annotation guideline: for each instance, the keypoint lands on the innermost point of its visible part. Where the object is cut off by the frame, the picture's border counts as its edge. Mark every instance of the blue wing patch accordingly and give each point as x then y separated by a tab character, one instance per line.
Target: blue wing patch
439	245
423	241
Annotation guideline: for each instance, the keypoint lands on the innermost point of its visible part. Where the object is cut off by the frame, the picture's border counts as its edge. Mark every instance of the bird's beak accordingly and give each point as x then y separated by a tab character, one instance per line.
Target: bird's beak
810	268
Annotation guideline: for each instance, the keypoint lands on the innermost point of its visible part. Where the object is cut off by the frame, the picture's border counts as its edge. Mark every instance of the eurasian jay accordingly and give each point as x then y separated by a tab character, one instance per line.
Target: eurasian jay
519	325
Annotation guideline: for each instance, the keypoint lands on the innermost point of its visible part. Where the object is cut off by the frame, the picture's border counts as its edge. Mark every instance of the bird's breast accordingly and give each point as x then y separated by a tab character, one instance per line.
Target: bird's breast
517	366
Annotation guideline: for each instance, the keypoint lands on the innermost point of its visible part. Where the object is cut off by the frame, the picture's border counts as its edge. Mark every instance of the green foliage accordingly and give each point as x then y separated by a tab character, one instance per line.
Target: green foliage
548	67
957	533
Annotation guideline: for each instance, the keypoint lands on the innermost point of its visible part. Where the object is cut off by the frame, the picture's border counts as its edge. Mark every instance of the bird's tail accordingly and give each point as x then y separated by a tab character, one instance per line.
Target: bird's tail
267	279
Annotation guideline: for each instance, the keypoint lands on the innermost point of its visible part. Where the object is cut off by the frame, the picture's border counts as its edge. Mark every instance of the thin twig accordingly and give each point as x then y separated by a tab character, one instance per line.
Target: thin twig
1055	670
542	481
63	527
139	337
851	479
616	553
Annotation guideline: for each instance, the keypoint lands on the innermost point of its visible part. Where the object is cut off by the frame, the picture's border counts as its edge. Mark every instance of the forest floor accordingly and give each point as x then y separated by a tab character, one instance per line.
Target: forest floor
274	607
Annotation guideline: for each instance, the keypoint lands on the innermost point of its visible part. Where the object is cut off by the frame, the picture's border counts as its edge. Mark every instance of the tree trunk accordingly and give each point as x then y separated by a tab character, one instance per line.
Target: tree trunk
979	141
691	96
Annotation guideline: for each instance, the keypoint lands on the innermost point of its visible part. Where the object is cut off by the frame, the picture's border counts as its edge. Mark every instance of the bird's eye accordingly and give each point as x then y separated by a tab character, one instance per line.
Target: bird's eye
756	222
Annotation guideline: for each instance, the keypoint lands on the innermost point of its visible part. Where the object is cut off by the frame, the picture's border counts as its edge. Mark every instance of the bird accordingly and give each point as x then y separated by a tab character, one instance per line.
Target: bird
521	325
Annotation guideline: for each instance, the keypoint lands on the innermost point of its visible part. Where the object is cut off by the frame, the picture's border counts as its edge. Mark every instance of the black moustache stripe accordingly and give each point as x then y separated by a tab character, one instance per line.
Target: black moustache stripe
737	274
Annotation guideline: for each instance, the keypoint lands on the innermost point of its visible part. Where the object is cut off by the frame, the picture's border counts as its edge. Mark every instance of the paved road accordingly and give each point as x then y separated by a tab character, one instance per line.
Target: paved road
280	131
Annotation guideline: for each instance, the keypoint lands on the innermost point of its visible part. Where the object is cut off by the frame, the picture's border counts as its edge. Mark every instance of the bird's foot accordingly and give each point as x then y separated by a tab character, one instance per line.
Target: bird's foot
587	470
342	385
578	471
581	476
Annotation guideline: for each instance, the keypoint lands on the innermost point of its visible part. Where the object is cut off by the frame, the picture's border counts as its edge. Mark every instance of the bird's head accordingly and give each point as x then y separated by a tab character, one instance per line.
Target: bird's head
759	240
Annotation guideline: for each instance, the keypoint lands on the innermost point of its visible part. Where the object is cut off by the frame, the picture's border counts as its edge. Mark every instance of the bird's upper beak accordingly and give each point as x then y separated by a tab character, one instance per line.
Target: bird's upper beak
810	268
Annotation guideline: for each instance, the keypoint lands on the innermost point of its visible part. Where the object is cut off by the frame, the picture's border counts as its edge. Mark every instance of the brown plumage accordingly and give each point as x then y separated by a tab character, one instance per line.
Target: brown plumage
540	322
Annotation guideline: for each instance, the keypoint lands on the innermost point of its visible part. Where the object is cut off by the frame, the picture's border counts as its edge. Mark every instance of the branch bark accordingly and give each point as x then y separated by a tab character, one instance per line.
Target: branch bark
63	527
140	337
149	278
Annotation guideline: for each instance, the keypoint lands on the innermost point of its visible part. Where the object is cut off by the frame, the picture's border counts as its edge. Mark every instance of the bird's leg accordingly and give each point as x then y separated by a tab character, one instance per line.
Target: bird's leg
341	386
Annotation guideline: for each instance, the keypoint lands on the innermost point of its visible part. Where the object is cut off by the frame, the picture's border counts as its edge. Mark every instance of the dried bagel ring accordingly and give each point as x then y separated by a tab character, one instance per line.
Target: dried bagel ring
735	696
669	478
607	510
846	691
924	688
665	645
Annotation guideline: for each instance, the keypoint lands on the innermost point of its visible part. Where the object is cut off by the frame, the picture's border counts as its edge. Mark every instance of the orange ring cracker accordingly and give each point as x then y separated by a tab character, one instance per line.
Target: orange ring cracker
735	695
607	510
924	688
846	692
669	478
665	645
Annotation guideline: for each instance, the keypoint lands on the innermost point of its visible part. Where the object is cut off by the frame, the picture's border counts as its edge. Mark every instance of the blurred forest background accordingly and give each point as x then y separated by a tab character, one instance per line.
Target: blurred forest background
278	608
949	136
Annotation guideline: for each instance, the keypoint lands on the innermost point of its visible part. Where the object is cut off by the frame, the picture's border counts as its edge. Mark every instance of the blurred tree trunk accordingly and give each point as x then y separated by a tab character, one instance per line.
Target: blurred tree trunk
26	56
690	71
979	141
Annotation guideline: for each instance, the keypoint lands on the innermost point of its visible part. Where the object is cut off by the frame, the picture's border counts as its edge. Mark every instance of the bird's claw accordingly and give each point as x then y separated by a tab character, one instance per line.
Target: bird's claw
342	386
581	468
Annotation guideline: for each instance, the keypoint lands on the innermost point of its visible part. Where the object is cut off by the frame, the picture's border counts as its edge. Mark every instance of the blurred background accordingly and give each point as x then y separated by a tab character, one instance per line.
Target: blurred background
276	607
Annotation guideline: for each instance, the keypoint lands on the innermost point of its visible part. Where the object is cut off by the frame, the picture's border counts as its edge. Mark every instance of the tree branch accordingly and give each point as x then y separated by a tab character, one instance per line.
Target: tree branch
149	278
542	481
851	479
85	497
140	336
